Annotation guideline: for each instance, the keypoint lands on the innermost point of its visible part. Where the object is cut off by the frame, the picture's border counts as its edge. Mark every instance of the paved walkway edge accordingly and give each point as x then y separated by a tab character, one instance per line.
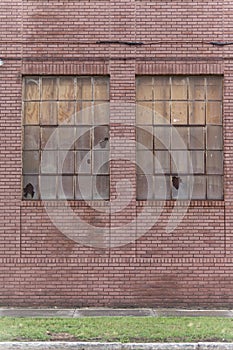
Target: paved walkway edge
112	346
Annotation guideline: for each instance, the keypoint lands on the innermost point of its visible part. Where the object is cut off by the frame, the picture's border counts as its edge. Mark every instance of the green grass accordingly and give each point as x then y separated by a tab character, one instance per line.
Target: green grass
123	329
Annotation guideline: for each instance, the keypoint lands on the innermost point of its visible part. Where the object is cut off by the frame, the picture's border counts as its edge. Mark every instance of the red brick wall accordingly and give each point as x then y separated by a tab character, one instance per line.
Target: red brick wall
191	266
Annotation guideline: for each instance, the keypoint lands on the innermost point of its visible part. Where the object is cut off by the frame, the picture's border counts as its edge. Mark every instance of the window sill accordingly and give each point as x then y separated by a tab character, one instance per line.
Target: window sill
64	203
181	203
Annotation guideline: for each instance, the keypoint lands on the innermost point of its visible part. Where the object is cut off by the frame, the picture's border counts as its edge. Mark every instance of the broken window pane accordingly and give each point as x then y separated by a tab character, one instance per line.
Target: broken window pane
66	88
49	162
31	137
48	185
83	162
214	162
31	113
49	88
214	137
48	113
162	162
31	162
214	187
179	138
199	187
162	187
30	187
182	191
66	112
83	189
214	113
101	137
162	137
145	137
100	162
197	113
197	138
179	112
32	89
100	187
65	187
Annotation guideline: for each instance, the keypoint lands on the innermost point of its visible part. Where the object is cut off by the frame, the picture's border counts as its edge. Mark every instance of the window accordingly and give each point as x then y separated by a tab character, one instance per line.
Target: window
65	137
179	137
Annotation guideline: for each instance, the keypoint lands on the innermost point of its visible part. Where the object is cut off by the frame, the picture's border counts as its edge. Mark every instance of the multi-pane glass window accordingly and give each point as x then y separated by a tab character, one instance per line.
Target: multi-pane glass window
179	137
65	137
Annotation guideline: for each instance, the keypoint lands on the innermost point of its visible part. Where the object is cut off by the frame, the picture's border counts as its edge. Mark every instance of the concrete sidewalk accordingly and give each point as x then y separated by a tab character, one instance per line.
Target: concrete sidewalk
96	312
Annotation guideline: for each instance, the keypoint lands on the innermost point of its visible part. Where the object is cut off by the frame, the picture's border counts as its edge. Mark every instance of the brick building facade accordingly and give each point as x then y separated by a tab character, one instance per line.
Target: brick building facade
116	249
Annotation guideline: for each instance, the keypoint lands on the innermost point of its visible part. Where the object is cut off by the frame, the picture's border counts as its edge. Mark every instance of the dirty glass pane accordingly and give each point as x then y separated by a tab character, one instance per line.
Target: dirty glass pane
199	187
214	187
32	89
49	88
31	162
144	89
183	191
214	162
197	138
66	88
162	112
100	162
144	136
162	162
198	162
48	187
83	187
85	115
101	137
179	138
66	162
66	137
83	139
65	188
48	113
180	161
179	112
162	88
83	162
179	89
49	162
31	137
100	187
86	89
162	138
214	113
144	113
49	137
162	187
197	113
101	88
196	88
145	162
30	187
66	112
214	137
145	187
31	113
214	88
101	113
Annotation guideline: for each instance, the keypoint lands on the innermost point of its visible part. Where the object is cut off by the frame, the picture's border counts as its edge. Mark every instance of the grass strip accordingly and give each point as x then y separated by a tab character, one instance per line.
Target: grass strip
113	329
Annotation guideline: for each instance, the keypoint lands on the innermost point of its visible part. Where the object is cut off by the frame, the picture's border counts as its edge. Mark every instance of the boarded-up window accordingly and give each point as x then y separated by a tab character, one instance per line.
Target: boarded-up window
179	137
65	137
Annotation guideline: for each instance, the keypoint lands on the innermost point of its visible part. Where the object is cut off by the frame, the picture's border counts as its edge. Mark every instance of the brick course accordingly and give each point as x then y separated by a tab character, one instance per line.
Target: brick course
191	266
